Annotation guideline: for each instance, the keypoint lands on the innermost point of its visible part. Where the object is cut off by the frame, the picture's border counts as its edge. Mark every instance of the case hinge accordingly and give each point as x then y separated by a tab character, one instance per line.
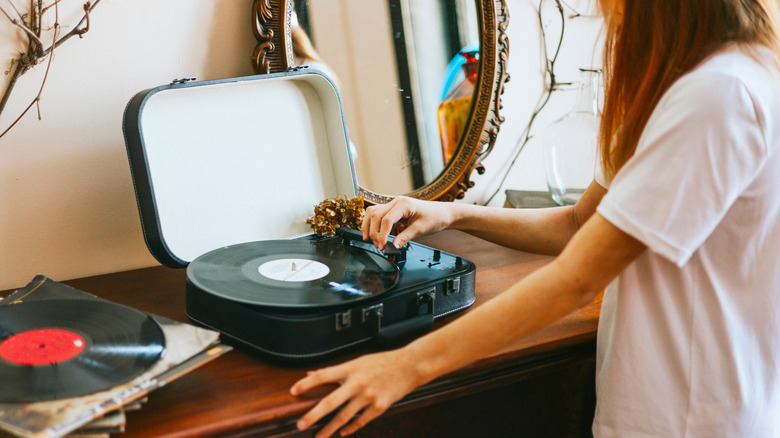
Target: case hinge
183	80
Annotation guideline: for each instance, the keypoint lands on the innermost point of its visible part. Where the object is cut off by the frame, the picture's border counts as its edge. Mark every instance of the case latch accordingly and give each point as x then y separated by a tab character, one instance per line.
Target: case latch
451	286
343	320
374	314
427	297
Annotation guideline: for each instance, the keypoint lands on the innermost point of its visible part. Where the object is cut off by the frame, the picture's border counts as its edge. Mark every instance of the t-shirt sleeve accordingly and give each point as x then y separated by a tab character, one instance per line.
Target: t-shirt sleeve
701	148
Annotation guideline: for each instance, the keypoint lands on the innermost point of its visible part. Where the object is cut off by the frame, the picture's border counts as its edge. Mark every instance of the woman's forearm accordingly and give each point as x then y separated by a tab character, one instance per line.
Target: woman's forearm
371	384
489	328
540	231
572	280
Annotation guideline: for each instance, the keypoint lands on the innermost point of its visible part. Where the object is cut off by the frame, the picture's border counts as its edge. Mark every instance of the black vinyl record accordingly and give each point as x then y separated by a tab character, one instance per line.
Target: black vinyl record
293	273
55	349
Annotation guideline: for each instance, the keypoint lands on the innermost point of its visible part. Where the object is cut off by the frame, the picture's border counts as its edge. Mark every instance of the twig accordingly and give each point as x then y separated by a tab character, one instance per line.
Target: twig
11	84
37	99
36	52
78	30
549	72
21	17
46	8
51	57
6	14
23	26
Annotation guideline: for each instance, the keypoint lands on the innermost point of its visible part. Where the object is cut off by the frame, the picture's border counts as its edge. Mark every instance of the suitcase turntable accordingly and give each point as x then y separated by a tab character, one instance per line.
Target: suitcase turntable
226	173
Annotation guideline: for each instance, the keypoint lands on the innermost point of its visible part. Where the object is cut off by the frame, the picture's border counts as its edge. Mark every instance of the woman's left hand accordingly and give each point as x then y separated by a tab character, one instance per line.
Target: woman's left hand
369	384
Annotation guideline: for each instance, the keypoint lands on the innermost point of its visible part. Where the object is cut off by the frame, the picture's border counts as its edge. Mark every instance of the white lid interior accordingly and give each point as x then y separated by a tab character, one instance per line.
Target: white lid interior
243	161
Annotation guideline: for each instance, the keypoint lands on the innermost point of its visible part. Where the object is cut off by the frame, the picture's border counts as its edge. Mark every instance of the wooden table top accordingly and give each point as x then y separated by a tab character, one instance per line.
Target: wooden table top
242	392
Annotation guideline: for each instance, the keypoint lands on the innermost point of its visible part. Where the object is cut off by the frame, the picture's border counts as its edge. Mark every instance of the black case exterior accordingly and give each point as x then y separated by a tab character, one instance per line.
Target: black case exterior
300	335
142	180
433	283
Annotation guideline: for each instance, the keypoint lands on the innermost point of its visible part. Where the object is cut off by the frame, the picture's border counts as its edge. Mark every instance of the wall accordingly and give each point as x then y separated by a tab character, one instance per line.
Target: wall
67	206
360	51
581	47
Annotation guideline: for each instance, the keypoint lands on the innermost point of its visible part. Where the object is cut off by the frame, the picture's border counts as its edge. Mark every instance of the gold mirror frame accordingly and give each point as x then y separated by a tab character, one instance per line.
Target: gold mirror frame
271	20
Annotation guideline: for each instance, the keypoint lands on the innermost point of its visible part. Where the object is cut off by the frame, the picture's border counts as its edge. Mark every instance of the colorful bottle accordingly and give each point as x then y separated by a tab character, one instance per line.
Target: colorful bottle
455	108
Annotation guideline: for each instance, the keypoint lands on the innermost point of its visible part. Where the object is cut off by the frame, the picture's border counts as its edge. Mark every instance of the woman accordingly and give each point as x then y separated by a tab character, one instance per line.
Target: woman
681	227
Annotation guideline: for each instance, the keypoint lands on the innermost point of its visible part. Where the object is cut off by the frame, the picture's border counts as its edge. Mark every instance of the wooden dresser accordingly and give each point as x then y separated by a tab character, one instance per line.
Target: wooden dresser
542	386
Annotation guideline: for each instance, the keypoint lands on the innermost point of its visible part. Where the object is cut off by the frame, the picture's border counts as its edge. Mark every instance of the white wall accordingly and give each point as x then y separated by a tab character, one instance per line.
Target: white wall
67	206
581	48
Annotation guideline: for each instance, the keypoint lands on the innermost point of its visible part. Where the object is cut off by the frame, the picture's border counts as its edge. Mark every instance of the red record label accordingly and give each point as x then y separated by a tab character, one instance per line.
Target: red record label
41	347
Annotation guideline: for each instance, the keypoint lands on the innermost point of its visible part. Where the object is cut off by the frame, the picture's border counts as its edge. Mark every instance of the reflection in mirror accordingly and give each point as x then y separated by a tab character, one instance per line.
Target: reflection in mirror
405	70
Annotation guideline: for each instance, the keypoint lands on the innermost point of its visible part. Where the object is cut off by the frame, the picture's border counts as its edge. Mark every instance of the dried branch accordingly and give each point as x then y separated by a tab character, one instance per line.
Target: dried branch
78	30
21	17
44	9
35	47
11	19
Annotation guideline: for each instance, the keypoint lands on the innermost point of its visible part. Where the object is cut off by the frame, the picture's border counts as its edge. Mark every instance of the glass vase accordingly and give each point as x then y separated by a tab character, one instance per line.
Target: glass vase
570	143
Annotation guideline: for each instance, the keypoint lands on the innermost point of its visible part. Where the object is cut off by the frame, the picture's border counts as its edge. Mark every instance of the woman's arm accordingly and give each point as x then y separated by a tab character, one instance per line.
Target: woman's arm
536	230
541	231
370	384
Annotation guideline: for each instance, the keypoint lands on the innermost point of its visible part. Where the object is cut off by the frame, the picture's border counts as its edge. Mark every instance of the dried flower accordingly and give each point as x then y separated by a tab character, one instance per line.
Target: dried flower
337	212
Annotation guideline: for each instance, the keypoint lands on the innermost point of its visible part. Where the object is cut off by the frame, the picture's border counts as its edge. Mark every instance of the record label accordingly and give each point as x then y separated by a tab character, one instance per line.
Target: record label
293	270
42	347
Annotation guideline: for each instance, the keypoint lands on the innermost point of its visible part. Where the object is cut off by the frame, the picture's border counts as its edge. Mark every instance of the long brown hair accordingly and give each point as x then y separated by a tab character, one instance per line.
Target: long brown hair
651	43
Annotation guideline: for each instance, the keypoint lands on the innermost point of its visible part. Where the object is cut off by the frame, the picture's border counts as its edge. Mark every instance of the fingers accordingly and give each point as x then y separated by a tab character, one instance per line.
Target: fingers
369	385
316	378
343	416
413	230
389	220
375	227
372	211
372	407
368	415
371	220
327	405
380	219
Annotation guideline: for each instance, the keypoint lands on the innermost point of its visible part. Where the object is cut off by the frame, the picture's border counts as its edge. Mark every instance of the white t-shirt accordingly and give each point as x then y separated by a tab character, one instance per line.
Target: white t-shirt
689	336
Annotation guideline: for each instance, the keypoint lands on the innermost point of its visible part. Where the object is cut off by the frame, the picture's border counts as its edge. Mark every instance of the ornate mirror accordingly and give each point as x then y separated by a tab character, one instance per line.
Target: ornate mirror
395	63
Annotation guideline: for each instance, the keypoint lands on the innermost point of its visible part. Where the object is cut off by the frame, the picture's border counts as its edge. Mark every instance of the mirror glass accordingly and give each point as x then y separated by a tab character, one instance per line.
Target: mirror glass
405	70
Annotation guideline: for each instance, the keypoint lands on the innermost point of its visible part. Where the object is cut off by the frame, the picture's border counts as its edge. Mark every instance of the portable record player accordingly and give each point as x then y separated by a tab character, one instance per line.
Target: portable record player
226	173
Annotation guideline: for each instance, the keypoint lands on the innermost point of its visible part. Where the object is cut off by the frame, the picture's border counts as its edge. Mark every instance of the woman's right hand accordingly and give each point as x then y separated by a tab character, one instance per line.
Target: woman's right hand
424	217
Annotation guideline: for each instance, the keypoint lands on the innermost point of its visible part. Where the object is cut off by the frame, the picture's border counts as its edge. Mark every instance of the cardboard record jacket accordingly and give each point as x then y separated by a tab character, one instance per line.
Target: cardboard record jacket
293	273
57	349
186	347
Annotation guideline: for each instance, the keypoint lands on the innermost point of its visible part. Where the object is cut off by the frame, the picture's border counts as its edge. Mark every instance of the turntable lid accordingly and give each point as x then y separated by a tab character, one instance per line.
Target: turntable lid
224	162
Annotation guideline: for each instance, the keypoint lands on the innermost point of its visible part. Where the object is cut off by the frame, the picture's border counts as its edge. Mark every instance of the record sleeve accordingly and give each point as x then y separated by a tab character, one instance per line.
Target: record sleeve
188	347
